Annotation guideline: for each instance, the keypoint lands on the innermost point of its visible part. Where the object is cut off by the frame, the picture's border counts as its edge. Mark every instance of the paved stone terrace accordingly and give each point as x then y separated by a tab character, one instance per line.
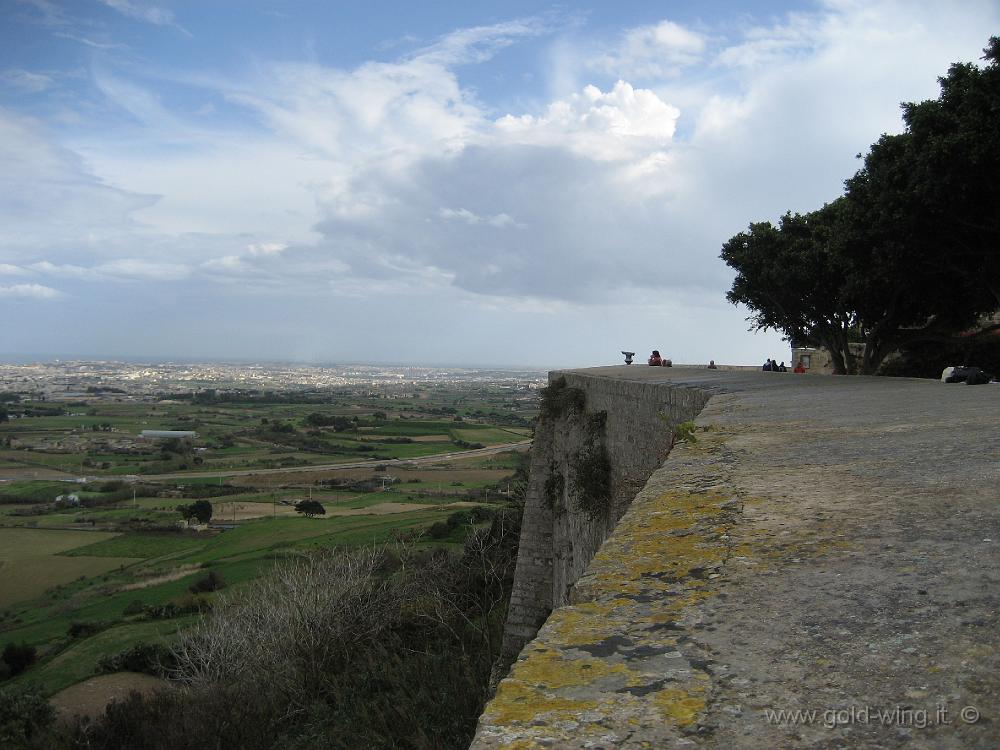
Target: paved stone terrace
828	545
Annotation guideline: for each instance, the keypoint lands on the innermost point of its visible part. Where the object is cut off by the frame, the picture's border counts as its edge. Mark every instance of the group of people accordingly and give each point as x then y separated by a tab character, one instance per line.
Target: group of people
655	360
771	366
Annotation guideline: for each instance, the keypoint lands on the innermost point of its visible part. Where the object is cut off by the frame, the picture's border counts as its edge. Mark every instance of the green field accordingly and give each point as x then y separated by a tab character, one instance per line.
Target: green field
79	660
30	561
115	562
139	546
95	577
101	438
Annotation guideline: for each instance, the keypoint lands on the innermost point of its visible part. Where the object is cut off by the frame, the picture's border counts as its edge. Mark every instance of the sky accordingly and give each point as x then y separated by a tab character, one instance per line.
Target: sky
473	183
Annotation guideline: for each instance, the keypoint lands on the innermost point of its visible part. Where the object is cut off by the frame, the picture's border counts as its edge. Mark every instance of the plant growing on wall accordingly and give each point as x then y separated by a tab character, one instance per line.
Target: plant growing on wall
555	483
592	480
592	469
558	399
684	433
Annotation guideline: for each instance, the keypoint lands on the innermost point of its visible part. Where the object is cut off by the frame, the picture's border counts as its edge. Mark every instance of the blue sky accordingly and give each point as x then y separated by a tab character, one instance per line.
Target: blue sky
507	183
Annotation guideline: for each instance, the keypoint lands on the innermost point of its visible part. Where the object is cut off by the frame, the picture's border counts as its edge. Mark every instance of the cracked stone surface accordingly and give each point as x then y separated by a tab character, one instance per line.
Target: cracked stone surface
828	546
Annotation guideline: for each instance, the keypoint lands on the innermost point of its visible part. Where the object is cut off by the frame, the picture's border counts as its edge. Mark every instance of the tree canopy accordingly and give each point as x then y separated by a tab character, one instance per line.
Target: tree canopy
910	252
310	508
200	509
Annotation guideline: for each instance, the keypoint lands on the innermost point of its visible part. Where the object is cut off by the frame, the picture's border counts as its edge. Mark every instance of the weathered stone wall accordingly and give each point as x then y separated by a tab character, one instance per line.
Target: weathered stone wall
558	537
826	548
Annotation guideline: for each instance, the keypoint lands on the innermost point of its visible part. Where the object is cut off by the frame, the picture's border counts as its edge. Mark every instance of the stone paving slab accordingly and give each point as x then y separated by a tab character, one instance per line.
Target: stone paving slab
820	570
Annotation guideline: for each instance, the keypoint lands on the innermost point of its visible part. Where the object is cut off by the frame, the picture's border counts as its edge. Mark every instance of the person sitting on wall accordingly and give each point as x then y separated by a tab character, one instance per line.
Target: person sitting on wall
767	366
712	365
668	363
799	368
782	368
654	359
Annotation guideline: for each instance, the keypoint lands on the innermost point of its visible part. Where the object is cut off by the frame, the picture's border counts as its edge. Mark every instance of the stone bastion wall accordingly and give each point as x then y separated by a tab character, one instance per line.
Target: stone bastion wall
822	545
633	423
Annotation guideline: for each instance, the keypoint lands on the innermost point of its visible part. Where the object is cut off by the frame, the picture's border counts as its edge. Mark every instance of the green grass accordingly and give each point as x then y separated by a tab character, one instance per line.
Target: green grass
357	530
79	660
489	436
263	534
416	427
48	621
41	491
139	546
30	561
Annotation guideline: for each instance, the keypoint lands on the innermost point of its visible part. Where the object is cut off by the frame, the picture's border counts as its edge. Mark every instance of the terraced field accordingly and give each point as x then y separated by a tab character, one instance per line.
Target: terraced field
80	583
32	560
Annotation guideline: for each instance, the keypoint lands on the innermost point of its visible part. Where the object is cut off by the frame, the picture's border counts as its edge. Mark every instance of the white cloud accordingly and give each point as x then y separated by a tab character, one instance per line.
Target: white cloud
480	43
88	42
607	126
227	264
29	291
613	199
399	186
144	12
49	198
660	50
377	110
65	270
11	270
266	248
121	269
499	221
138	269
26	80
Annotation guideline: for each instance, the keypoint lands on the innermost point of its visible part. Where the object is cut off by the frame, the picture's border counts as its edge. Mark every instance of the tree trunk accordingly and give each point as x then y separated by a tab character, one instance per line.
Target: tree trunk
832	345
875	352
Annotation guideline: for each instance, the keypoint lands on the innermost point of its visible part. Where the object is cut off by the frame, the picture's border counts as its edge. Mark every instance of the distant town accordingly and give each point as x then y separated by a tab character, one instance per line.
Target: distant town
70	380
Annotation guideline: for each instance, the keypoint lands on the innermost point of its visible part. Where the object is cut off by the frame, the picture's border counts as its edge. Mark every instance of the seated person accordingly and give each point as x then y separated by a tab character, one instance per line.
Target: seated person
655	359
668	362
799	368
782	368
712	365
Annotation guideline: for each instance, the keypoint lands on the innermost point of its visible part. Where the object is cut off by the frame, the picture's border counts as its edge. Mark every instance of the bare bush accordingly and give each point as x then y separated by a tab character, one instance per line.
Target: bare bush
293	625
472	593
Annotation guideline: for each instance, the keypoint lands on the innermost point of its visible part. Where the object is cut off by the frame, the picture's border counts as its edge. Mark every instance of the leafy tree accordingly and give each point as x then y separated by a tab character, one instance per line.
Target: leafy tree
310	508
148	658
909	253
211	582
200	509
18	657
954	144
176	446
25	717
792	275
339	423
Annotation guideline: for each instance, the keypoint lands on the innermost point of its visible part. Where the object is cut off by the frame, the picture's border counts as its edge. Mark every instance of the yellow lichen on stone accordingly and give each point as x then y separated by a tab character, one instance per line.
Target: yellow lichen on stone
551	669
521	744
647	543
680	707
518	703
589	622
